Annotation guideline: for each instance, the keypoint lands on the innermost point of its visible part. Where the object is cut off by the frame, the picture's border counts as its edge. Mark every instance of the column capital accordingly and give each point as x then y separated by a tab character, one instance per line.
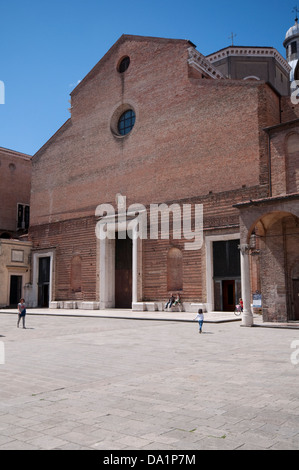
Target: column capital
244	248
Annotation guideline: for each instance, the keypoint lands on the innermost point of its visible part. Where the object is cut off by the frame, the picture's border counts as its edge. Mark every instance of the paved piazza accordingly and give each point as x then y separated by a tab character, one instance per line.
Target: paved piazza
106	383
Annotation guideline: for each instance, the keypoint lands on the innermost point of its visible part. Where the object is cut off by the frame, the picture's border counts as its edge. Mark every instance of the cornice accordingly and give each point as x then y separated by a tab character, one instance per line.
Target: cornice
200	63
243	51
14	153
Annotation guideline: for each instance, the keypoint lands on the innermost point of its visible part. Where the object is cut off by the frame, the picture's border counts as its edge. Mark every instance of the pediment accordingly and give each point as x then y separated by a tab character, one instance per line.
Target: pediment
118	43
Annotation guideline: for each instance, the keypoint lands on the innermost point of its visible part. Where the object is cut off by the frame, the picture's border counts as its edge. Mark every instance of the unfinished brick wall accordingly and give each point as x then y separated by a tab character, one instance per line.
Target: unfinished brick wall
289	110
219	217
284	154
193	138
279	257
69	240
190	137
292	162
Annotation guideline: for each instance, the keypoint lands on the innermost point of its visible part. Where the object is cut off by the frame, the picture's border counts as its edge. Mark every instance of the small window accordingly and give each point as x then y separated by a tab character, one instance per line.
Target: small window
124	64
126	122
23	216
12	166
293	47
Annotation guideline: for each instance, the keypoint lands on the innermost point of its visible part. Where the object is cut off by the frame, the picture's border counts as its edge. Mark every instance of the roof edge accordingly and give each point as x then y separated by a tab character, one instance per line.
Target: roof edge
15	153
281	125
122	39
273	199
46	144
251	51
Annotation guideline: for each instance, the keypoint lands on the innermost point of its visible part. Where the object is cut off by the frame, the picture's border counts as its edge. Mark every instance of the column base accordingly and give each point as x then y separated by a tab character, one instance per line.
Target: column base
247	319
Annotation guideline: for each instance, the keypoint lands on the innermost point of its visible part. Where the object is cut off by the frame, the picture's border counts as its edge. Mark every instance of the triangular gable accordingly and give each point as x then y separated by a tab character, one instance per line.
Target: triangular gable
52	139
122	39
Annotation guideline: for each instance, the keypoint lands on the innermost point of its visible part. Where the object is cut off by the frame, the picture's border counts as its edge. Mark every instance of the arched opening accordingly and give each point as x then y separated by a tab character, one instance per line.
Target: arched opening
5	235
263	222
76	274
276	241
292	163
174	269
251	77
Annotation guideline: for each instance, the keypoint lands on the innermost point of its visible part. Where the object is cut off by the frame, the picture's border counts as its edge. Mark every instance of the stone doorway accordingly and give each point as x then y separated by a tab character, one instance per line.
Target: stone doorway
15	290
226	270
43	281
123	273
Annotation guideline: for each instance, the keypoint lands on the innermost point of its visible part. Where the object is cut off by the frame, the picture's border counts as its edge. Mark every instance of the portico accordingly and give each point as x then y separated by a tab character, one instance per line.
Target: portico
274	222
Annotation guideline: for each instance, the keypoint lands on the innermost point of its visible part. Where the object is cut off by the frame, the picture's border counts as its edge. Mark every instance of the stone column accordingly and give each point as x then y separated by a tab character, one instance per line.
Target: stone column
247	317
134	268
107	273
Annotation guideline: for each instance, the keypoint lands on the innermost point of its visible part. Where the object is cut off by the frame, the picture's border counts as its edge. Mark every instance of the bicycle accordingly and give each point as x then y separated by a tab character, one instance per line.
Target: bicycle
238	310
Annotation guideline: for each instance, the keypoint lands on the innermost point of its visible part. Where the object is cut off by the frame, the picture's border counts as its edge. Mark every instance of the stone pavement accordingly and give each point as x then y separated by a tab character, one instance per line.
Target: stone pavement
210	317
214	317
75	381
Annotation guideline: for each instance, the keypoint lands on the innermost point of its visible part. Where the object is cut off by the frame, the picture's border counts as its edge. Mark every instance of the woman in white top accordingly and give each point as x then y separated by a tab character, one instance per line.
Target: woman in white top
200	319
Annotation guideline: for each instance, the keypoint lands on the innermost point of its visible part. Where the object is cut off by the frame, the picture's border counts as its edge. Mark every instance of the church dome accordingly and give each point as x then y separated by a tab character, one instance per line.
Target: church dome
292	33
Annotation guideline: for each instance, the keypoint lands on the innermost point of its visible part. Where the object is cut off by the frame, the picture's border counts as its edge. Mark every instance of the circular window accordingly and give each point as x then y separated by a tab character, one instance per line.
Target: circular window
122	120
124	64
126	122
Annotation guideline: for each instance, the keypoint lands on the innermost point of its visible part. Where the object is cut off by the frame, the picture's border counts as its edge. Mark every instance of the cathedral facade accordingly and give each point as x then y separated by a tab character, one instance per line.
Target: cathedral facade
176	173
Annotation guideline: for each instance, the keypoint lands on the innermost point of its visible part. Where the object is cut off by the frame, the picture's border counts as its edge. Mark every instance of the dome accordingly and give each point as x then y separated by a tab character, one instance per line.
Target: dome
292	32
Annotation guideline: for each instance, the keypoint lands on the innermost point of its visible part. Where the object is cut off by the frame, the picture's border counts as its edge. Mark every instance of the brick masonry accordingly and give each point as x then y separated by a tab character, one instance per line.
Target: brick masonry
195	140
15	170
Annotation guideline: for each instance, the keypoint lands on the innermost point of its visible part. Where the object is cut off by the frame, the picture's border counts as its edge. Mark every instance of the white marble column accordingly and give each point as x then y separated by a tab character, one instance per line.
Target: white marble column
247	317
107	273
134	268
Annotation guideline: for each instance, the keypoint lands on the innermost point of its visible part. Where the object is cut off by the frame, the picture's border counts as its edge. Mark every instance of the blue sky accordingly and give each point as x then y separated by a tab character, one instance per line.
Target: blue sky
47	46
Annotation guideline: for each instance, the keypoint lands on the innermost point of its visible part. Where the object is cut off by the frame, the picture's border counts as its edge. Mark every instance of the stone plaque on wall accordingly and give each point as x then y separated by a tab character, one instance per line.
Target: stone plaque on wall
17	255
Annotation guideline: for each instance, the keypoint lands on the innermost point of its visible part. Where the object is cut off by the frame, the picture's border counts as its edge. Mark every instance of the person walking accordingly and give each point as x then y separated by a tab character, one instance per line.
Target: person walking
21	312
200	319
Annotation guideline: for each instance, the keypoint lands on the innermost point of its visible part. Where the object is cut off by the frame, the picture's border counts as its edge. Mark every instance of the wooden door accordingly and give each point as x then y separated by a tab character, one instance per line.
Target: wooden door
43	281
15	290
123	273
296	298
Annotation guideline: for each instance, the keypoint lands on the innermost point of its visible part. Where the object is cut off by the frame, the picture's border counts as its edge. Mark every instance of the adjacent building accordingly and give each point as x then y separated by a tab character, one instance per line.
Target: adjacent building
15	249
291	43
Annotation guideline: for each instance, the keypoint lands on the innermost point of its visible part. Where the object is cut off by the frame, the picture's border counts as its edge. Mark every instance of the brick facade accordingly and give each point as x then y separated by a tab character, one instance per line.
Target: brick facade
15	183
196	140
15	170
181	134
